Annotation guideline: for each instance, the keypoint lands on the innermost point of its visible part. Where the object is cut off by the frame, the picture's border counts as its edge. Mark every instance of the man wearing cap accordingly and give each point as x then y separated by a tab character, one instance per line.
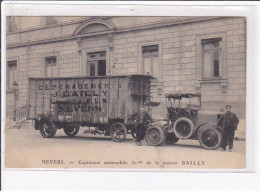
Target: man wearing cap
229	122
142	118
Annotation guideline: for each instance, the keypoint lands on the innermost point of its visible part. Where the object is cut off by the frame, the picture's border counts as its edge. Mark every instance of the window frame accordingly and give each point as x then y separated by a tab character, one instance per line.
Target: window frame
222	67
95	61
52	64
44	65
151	57
85	65
140	56
7	73
211	51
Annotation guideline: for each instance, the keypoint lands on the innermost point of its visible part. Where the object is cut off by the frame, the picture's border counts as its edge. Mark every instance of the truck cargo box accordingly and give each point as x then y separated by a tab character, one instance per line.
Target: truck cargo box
87	99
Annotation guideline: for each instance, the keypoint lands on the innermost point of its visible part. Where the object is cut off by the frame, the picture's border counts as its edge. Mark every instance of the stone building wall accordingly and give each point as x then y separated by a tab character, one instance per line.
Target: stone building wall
179	57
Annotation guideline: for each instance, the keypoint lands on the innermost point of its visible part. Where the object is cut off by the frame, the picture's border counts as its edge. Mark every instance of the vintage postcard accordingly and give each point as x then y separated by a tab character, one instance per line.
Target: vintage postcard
121	92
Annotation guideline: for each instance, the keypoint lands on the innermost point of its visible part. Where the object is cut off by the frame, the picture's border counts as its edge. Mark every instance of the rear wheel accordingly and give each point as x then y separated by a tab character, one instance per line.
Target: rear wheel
71	130
47	128
209	138
155	135
118	131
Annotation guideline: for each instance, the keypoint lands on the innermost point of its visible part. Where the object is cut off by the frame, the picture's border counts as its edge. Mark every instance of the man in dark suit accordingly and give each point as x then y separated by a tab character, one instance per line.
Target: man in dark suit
142	120
228	122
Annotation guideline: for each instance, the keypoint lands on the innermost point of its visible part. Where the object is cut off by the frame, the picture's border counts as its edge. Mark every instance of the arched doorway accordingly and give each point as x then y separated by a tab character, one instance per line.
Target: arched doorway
95	42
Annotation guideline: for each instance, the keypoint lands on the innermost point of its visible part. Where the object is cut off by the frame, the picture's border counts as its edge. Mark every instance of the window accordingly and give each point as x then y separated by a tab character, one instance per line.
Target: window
51	69
11	74
211	57
151	60
11	23
96	63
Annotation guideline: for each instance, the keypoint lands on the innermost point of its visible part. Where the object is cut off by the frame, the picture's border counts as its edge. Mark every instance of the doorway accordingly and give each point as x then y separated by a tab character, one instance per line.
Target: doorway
96	63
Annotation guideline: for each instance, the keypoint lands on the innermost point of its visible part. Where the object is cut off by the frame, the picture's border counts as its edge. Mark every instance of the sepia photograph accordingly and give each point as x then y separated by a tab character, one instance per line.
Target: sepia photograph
126	92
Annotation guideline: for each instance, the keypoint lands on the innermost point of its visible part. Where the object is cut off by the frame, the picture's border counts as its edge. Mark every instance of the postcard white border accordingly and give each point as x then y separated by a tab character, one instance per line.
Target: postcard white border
248	10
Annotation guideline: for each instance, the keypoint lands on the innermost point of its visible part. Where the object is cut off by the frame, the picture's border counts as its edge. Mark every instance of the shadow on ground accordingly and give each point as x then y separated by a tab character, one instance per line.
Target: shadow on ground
81	138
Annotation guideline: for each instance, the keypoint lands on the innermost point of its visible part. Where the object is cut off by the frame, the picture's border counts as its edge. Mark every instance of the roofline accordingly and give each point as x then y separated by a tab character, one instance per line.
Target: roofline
172	22
81	77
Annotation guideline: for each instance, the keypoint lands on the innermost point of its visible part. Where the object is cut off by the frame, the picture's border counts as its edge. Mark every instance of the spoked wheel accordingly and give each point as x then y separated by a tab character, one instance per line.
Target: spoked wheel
118	131
210	138
155	135
47	129
71	130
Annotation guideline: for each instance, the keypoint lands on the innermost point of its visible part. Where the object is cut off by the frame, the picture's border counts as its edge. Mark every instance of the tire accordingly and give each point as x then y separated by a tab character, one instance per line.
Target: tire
118	132
183	128
210	138
155	135
47	128
71	131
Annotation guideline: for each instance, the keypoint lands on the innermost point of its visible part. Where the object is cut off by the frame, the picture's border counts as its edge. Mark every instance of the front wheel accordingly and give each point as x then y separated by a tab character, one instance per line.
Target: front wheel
71	130
183	128
47	128
118	131
155	135
210	138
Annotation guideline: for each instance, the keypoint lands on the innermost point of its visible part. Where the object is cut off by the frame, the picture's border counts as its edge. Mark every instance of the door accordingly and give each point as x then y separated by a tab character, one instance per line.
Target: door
96	64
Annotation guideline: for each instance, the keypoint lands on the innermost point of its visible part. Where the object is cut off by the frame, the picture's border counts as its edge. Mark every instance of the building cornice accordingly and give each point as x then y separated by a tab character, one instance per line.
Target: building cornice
184	20
58	24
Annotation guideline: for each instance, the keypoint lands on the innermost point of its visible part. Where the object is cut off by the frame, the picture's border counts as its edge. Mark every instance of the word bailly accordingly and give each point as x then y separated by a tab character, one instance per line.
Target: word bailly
193	163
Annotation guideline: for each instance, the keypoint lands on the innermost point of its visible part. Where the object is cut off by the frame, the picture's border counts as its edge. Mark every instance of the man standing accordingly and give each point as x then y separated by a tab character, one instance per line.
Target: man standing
229	122
142	118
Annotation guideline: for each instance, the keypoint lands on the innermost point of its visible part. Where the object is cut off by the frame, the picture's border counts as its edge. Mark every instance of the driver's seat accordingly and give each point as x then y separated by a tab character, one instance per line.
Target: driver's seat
173	113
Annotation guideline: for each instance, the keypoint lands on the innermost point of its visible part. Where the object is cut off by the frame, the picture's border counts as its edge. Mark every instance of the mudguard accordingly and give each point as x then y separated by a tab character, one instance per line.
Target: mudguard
205	125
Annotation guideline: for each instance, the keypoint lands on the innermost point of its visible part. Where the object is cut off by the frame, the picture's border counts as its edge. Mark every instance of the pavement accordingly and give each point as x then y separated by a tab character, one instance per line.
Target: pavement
240	134
25	148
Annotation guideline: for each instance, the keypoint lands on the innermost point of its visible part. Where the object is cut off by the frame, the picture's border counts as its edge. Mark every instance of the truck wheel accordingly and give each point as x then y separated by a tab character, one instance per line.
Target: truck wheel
183	128
155	135
47	128
118	131
71	131
210	138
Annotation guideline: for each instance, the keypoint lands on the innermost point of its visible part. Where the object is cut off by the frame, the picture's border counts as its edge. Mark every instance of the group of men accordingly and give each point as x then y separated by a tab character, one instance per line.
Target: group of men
228	123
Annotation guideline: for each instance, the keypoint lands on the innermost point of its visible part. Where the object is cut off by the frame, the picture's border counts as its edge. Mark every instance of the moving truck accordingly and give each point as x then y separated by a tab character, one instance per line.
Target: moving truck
106	103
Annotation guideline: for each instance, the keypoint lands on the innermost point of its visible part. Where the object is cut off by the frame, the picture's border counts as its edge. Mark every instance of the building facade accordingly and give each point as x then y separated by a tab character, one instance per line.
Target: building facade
184	54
